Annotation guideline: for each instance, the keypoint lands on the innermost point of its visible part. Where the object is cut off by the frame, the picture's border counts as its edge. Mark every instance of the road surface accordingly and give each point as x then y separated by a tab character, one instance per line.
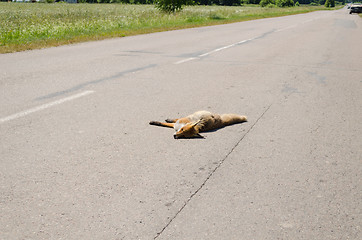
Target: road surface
80	161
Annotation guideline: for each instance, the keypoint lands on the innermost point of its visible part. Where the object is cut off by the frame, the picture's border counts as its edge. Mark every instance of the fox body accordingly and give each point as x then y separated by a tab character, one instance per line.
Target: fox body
201	121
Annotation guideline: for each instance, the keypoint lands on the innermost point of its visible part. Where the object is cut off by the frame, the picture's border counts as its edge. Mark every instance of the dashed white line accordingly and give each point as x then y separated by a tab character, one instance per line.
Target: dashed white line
214	51
44	106
238	43
185	60
286	28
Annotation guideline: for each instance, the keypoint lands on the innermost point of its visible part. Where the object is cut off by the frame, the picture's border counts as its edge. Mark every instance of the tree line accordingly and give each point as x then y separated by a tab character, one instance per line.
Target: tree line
206	2
199	2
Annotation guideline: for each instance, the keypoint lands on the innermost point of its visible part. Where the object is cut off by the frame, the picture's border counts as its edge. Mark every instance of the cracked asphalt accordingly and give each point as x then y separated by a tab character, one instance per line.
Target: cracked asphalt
79	160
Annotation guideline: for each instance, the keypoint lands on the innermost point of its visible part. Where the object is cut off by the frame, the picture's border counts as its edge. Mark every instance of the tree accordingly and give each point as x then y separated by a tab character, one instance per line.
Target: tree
264	3
330	3
284	3
171	6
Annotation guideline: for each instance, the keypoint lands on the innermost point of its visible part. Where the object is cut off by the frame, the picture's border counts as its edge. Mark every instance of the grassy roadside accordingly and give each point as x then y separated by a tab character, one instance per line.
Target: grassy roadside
34	26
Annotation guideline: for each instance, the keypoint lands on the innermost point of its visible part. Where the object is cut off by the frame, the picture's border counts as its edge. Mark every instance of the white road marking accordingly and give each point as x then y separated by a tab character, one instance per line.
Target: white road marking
215	50
44	106
185	60
241	42
309	20
287	28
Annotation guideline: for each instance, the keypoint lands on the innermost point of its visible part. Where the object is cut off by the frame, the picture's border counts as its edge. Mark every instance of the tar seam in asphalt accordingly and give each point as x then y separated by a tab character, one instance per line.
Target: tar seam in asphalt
212	173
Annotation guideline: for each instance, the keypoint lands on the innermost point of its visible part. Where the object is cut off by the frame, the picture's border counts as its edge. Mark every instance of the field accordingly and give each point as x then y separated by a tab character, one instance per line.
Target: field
36	25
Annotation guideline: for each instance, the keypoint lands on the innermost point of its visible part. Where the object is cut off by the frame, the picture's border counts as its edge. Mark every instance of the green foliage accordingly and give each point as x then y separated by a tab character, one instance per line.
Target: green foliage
230	2
225	2
196	2
30	26
297	4
284	3
264	3
271	5
171	6
329	3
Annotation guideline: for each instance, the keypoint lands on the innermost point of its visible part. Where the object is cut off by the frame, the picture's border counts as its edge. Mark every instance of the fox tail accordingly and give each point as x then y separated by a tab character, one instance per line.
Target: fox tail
229	119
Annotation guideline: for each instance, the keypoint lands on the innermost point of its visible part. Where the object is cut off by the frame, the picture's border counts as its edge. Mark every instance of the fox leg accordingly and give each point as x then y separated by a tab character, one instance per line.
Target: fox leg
161	124
168	120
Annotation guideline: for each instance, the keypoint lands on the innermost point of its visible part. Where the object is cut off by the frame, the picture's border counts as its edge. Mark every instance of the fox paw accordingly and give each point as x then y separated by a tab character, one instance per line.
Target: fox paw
154	123
170	120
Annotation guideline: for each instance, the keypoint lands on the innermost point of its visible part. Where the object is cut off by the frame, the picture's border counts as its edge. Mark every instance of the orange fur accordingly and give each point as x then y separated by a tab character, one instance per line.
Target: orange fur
201	121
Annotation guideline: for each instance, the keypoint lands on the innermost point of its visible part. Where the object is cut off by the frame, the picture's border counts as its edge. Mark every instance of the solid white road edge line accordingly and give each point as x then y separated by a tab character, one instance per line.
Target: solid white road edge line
44	106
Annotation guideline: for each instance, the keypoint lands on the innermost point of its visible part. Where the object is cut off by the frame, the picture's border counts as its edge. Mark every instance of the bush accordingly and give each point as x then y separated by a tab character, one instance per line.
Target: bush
264	3
230	2
330	3
271	5
171	6
284	3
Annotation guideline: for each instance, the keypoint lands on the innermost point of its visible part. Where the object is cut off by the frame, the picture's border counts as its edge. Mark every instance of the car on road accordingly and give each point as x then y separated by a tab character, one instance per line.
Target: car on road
355	9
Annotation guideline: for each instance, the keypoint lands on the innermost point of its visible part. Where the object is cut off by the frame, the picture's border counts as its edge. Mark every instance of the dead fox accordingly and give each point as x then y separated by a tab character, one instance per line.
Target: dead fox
201	121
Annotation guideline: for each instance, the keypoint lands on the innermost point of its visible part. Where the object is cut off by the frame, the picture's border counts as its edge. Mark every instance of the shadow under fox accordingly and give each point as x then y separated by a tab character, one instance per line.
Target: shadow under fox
201	121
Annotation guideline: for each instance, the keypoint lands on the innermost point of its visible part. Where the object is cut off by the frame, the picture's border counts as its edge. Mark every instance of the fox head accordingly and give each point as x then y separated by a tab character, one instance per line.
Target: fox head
190	130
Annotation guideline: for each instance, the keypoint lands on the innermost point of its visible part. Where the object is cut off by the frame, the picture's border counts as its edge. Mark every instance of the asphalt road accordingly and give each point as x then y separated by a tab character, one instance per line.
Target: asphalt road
79	160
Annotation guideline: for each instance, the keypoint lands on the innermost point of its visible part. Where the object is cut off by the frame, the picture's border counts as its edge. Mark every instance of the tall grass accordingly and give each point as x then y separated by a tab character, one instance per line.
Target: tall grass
29	26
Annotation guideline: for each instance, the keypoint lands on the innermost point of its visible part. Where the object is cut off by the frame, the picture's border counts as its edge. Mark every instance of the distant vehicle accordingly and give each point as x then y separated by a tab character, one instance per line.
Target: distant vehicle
355	9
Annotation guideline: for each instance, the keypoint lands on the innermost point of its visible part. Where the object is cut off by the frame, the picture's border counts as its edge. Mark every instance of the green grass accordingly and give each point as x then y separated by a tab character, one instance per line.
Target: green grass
32	26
